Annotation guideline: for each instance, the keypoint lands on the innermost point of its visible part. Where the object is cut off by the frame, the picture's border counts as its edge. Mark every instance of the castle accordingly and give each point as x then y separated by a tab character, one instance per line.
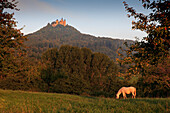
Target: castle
61	22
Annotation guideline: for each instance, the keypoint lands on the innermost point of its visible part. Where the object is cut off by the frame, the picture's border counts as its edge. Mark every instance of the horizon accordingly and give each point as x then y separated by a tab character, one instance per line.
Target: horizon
99	18
83	33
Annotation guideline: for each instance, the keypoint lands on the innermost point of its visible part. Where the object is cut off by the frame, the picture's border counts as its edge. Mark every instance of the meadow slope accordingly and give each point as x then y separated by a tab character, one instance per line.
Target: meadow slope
29	102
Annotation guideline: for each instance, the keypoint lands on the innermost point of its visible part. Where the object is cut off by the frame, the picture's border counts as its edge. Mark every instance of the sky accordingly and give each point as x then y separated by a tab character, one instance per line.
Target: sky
101	18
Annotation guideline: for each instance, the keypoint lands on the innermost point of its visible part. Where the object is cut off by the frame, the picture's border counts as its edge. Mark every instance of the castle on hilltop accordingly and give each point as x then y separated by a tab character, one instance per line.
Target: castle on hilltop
61	22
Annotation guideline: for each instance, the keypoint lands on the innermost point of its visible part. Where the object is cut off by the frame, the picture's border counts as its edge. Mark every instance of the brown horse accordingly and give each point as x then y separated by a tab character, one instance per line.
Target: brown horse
126	90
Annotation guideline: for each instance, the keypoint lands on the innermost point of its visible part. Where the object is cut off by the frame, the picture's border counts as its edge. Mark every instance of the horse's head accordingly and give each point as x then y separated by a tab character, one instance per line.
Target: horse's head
117	96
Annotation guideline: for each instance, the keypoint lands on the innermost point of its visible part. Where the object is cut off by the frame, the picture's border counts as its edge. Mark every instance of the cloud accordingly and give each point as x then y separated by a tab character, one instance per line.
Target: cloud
36	6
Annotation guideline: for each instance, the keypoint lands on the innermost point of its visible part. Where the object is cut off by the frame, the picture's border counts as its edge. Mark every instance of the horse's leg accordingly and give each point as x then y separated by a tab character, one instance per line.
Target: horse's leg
132	94
135	94
124	95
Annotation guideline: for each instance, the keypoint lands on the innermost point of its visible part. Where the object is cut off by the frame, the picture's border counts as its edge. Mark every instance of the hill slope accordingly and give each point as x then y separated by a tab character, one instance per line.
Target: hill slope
20	101
50	37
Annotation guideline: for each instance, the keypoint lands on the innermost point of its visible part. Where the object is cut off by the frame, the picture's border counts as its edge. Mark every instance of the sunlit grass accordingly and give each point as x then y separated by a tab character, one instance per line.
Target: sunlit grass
28	102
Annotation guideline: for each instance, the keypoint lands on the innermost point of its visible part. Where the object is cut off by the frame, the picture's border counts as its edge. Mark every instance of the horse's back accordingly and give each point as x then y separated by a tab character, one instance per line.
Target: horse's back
128	89
132	88
122	88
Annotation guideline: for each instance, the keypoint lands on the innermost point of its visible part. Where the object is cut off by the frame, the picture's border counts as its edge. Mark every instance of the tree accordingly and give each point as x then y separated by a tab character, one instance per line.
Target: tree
76	70
87	56
49	73
103	71
145	56
11	41
16	72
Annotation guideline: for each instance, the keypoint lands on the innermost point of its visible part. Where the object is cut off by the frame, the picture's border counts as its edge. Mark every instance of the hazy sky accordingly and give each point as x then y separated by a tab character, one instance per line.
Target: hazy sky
106	18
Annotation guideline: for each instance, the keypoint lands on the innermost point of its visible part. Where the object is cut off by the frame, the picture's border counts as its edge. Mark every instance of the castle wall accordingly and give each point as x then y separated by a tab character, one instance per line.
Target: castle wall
61	22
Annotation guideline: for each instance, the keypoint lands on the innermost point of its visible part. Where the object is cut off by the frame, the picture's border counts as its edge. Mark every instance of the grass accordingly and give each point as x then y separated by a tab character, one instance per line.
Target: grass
35	102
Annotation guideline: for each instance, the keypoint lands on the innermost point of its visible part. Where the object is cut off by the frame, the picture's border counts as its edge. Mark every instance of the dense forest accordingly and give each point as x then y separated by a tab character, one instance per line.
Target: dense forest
51	37
70	70
74	70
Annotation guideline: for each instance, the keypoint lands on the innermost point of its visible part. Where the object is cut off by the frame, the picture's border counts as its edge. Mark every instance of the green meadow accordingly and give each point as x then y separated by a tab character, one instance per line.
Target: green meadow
37	102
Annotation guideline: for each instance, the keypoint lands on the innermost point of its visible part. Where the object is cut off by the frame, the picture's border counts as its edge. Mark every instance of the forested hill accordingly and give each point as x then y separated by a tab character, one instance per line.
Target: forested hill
50	37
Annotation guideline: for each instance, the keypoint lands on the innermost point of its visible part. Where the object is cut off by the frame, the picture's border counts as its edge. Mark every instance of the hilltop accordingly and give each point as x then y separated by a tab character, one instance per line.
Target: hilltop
55	36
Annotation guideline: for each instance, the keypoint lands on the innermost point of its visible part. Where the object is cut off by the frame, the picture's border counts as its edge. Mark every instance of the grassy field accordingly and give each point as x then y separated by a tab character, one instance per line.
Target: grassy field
33	102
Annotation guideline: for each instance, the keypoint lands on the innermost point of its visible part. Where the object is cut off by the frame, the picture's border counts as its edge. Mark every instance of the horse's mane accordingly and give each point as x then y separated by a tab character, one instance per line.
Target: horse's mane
120	89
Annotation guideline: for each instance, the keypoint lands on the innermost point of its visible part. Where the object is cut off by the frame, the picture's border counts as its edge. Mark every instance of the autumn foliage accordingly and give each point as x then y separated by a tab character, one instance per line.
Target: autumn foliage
149	56
11	41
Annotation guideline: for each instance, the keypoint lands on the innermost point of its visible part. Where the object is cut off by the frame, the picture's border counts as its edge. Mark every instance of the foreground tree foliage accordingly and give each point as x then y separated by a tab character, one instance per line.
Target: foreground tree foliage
150	57
76	70
11	41
16	72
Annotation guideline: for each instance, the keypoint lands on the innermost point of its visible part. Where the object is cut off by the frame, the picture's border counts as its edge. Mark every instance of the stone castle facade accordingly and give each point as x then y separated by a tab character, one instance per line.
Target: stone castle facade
61	22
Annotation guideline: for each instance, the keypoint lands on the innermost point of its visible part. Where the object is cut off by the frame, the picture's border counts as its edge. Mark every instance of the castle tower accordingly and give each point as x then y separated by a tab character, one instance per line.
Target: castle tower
61	22
57	22
64	23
